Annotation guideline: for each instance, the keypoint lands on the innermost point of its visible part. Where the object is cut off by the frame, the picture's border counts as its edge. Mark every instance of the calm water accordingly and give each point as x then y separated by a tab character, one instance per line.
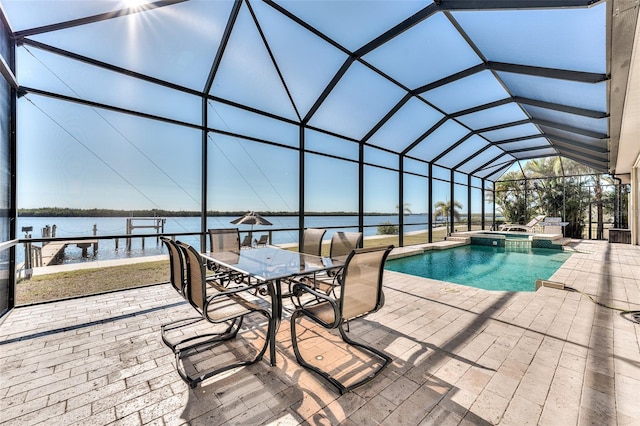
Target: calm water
490	268
83	226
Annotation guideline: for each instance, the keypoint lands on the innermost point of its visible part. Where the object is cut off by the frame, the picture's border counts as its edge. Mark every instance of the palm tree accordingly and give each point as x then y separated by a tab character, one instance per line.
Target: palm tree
560	195
555	186
406	209
509	197
547	186
443	208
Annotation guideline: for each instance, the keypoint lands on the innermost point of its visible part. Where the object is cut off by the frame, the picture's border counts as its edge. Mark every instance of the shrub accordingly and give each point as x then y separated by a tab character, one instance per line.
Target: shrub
386	228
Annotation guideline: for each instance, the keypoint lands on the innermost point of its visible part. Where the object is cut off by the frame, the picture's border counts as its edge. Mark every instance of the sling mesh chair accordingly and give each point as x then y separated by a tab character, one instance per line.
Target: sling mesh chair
311	244
342	244
312	241
263	241
222	240
360	294
529	227
246	242
177	280
218	305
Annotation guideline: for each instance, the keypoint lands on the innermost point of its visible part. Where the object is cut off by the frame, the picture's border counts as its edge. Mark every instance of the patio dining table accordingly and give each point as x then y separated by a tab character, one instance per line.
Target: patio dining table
271	265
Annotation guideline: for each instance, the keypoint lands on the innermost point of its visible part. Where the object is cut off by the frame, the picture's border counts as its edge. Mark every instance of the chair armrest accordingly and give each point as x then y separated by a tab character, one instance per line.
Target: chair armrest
223	291
335	272
319	300
233	293
300	288
326	282
245	285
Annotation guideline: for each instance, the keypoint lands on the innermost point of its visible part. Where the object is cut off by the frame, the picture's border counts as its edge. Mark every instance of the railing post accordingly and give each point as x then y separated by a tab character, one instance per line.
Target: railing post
128	233
28	266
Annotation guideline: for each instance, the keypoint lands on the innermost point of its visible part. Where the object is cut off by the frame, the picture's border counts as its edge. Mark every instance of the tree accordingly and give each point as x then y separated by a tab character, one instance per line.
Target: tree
547	185
443	208
386	228
406	208
555	188
558	192
510	197
615	201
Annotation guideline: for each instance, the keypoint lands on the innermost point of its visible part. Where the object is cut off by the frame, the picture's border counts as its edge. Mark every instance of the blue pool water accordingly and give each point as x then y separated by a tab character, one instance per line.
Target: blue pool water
490	268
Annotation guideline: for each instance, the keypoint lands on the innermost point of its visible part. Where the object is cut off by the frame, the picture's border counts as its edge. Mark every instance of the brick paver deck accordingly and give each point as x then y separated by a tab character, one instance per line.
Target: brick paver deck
461	356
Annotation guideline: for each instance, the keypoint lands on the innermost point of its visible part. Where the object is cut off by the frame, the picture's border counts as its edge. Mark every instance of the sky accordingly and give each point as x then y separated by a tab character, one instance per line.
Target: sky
72	155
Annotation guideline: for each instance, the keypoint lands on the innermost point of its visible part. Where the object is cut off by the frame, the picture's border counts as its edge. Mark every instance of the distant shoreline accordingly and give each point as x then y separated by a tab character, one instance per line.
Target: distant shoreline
70	212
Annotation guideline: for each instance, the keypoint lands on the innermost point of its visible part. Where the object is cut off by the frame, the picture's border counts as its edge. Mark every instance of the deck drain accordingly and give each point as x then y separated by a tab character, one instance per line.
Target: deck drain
633	316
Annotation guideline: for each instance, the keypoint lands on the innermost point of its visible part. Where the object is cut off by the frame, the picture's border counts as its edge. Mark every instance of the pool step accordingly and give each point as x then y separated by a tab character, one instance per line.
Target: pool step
454	237
517	244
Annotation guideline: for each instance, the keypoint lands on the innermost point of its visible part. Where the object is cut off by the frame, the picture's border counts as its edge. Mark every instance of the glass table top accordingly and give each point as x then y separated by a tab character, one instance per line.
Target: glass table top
270	263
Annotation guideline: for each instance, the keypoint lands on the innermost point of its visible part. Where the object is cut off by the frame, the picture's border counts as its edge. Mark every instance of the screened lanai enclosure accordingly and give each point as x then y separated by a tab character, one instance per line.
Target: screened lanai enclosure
407	120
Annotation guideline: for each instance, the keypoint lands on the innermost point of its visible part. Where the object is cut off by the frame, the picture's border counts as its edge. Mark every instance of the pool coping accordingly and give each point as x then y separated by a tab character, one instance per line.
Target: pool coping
458	239
400	252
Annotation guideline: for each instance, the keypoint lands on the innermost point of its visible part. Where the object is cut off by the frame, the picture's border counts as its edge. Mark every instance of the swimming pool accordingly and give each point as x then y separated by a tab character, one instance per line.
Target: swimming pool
490	268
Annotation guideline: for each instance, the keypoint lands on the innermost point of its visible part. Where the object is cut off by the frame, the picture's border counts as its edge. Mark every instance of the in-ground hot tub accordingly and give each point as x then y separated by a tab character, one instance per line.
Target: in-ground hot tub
514	239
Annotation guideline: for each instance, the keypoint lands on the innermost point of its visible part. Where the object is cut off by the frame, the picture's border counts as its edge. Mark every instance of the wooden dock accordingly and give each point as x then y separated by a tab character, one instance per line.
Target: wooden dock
52	252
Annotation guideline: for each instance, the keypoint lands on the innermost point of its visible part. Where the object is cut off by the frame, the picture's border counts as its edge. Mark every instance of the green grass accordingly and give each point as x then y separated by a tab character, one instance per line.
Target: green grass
85	282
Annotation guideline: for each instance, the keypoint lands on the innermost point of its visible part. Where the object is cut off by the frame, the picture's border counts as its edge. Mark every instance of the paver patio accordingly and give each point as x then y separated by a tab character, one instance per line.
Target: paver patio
461	356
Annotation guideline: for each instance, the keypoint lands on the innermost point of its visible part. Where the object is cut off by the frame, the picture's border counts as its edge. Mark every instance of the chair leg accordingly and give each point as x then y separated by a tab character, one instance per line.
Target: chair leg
193	380
341	388
371	349
227	334
175	325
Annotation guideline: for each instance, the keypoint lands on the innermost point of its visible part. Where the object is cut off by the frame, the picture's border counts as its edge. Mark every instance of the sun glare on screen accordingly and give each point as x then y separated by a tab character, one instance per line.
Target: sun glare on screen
134	3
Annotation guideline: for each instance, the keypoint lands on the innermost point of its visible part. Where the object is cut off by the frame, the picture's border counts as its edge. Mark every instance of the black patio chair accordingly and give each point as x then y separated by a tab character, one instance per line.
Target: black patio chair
312	241
311	244
246	242
223	240
360	294
263	241
342	244
179	283
217	305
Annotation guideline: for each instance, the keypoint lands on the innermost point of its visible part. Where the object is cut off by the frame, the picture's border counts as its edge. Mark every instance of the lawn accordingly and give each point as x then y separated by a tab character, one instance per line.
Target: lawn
84	282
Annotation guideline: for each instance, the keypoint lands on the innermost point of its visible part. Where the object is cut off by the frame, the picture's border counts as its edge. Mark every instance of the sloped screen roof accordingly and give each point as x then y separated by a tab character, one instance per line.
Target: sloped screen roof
472	86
